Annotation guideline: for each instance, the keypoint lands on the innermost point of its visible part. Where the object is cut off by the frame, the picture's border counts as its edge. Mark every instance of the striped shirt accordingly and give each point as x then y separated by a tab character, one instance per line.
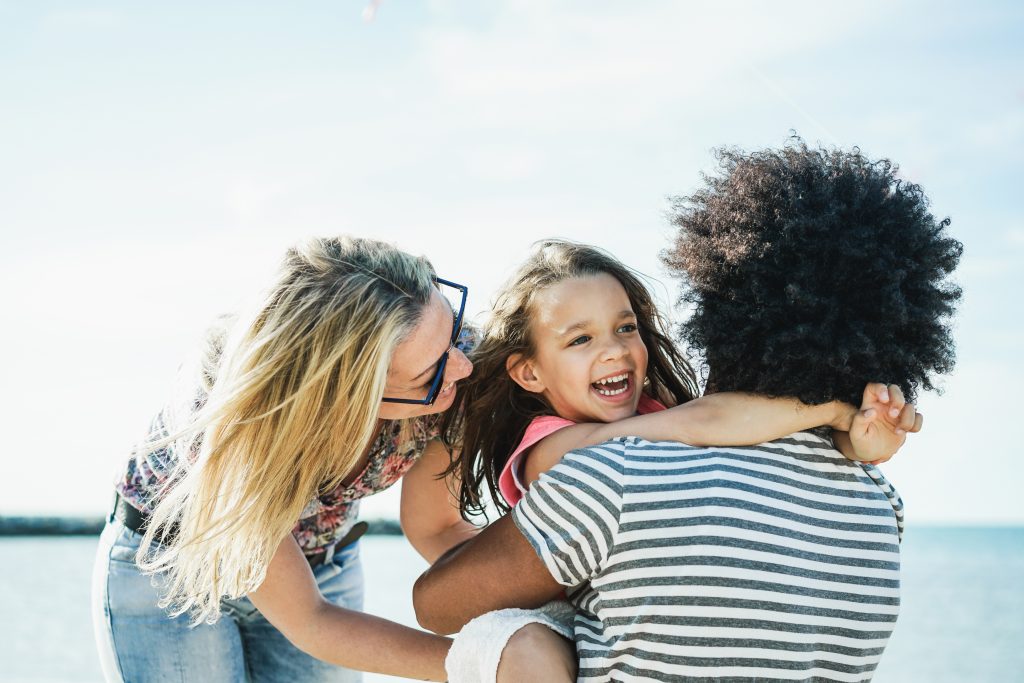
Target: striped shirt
776	562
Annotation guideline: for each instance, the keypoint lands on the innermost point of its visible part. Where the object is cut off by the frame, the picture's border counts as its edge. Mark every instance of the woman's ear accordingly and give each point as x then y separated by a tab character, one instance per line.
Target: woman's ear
521	370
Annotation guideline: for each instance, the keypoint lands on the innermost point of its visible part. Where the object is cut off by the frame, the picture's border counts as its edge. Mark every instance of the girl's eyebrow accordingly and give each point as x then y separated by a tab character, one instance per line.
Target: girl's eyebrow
584	324
575	327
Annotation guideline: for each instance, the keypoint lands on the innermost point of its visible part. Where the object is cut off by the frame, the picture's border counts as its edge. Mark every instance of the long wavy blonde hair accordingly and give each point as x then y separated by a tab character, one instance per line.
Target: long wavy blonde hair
293	392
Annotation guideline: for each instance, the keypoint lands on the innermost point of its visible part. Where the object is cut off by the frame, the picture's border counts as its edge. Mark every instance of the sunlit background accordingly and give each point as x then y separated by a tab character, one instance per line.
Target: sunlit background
156	159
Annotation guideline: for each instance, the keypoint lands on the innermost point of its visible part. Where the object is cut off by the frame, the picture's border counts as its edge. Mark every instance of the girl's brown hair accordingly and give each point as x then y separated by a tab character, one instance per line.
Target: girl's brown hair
493	411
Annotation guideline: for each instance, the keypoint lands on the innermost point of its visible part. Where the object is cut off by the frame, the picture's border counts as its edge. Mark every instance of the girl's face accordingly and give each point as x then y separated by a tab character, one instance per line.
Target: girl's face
590	362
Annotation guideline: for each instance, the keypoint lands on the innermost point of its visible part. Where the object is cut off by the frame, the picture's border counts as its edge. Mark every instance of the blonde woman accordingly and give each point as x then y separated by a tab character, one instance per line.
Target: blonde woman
231	553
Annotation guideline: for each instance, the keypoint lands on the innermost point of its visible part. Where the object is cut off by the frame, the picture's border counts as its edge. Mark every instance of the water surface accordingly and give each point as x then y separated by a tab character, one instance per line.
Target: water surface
962	617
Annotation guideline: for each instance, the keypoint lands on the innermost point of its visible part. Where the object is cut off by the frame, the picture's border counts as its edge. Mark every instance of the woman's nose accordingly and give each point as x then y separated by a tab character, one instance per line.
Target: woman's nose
459	366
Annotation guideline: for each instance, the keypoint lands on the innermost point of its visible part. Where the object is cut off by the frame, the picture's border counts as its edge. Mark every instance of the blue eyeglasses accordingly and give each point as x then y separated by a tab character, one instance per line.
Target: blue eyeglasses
435	384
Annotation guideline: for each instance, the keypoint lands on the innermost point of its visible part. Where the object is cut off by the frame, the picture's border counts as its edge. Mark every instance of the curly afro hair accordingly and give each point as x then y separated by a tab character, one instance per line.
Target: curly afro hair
813	271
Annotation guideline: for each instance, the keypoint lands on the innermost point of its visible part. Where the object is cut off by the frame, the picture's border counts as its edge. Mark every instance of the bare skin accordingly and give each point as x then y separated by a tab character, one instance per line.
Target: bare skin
290	600
496	570
536	653
429	513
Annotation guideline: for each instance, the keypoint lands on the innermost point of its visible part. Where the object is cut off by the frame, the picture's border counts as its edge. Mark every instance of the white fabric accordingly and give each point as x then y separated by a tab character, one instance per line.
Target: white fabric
476	652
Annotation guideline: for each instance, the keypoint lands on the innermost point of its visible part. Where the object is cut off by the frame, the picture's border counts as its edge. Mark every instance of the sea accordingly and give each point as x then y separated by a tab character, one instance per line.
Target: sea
962	617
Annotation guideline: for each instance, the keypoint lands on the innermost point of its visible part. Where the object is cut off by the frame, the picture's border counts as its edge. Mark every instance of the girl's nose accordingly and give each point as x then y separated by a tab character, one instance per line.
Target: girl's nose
615	349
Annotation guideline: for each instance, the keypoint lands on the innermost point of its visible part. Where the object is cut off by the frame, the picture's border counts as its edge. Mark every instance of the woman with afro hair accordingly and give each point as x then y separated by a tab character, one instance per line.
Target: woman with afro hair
811	271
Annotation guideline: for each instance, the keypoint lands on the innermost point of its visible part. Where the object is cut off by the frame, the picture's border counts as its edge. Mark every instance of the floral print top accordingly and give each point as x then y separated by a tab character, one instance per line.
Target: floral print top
326	518
330	515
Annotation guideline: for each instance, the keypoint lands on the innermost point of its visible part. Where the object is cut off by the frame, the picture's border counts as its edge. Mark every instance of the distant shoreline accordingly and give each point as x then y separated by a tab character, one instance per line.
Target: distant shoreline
92	526
13	526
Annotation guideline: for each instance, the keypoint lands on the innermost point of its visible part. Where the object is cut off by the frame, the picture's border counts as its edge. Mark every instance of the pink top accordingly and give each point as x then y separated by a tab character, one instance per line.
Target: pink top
510	481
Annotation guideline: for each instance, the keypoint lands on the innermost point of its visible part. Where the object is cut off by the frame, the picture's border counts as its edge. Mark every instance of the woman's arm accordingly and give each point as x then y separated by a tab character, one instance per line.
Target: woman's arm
720	419
496	570
429	513
290	600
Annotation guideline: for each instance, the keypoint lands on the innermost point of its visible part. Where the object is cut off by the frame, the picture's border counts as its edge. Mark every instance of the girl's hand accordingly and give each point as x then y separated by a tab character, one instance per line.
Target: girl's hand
881	425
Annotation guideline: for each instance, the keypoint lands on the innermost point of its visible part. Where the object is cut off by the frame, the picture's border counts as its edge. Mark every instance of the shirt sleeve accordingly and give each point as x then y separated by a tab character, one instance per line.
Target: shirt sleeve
509	481
890	493
571	514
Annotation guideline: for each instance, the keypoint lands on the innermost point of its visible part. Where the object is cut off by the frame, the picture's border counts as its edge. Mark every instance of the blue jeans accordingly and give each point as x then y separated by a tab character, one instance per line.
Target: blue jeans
139	643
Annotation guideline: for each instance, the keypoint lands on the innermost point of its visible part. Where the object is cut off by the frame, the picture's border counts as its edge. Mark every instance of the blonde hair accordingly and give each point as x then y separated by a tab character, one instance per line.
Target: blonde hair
294	390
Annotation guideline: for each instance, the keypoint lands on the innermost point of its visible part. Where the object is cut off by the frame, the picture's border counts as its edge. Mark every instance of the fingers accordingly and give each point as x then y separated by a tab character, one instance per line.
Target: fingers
887	401
865	421
907	417
896	400
875	392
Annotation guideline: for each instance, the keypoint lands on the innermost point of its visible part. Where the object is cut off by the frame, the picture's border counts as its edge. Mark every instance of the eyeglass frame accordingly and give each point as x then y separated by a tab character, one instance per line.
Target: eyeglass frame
435	386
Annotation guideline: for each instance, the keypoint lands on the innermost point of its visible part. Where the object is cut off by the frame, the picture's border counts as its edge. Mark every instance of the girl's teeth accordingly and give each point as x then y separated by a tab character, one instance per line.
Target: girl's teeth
613	386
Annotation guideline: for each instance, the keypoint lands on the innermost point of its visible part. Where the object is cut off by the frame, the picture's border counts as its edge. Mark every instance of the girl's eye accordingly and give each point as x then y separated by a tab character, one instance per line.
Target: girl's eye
628	327
582	339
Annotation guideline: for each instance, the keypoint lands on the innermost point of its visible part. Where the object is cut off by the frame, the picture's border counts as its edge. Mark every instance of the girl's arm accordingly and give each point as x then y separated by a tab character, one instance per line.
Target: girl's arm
737	419
429	513
720	419
290	600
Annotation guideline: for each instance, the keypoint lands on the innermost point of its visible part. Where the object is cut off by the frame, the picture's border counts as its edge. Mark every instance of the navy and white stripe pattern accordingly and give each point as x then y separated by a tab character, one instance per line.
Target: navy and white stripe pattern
776	562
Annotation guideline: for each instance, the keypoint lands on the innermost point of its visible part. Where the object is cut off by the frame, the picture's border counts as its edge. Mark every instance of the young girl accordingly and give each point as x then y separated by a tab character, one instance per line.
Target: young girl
575	354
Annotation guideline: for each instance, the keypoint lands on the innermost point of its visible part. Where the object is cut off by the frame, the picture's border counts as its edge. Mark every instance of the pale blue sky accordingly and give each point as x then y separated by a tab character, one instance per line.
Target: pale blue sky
155	160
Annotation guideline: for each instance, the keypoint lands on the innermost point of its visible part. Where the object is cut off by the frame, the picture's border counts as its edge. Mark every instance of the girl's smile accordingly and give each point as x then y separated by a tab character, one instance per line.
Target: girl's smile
589	358
616	389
